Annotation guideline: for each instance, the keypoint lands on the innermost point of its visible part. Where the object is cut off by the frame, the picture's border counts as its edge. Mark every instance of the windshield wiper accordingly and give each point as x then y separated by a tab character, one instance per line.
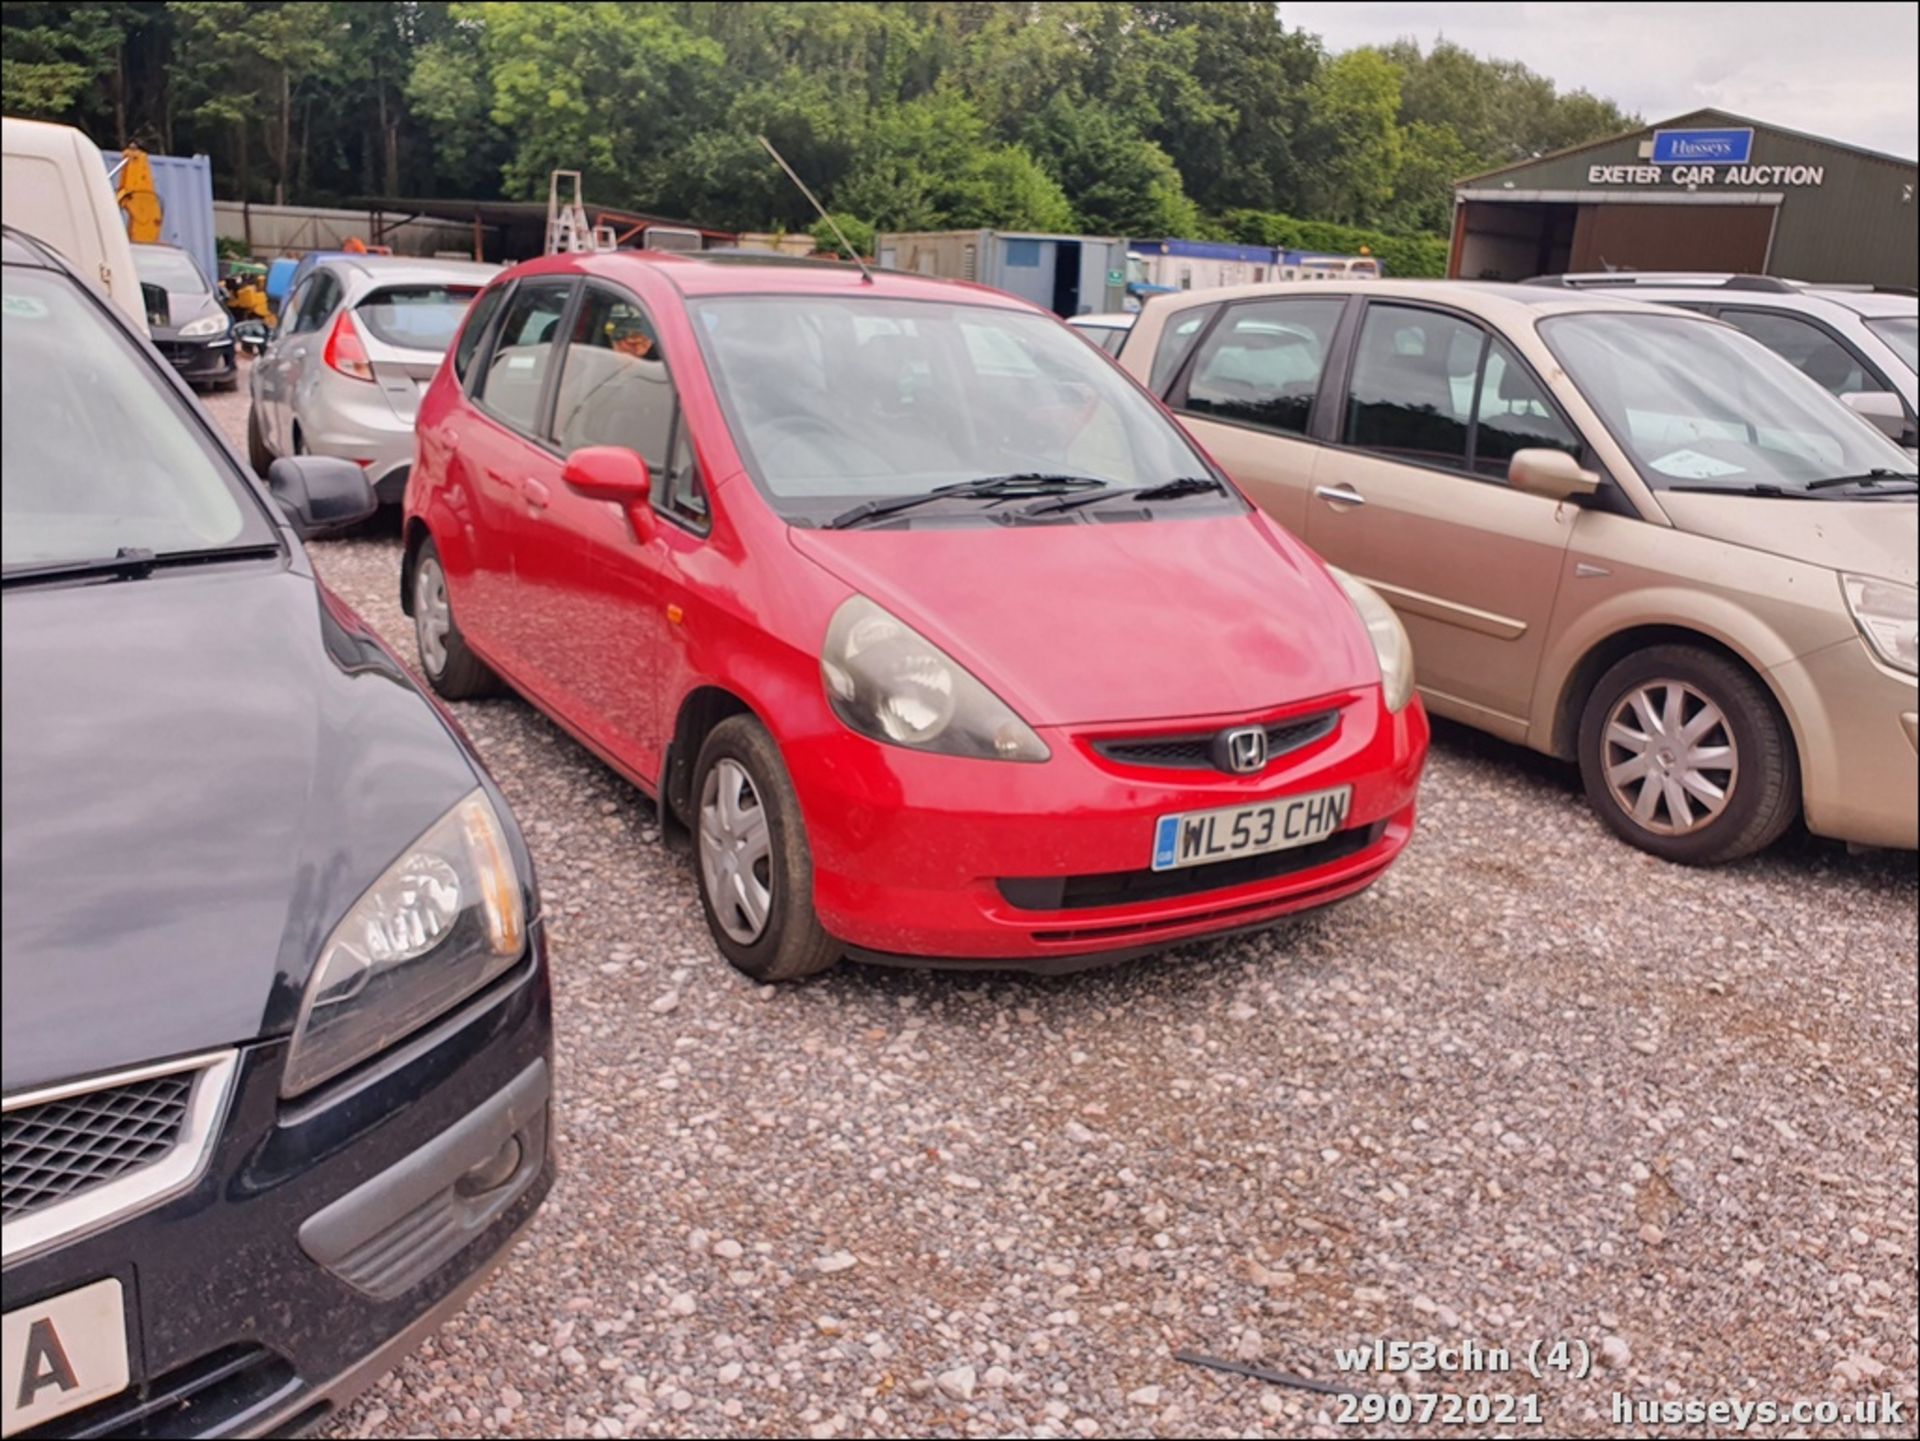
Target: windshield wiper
1868	477
1759	487
991	487
134	562
1166	490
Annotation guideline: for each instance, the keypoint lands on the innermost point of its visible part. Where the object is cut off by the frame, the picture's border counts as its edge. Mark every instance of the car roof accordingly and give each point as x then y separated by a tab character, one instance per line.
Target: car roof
697	273
362	273
1115	320
1491	300
1810	299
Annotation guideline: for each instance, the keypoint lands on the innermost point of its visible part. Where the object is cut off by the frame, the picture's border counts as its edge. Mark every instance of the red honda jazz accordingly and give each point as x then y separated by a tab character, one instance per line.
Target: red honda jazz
942	637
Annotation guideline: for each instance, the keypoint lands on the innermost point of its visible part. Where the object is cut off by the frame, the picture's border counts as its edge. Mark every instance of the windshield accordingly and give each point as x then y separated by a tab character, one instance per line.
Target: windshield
99	453
1902	335
172	270
1702	405
836	401
419	317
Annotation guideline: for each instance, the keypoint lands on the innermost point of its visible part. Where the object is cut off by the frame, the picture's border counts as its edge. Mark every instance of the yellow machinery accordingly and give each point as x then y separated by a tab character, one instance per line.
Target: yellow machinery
139	200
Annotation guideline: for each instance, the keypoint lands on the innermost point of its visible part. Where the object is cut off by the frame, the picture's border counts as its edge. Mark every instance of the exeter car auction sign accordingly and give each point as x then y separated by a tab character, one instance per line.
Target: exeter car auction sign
1703	157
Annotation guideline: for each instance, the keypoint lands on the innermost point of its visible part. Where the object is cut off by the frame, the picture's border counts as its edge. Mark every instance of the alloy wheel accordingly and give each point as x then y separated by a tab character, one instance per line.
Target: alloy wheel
432	615
736	851
1670	756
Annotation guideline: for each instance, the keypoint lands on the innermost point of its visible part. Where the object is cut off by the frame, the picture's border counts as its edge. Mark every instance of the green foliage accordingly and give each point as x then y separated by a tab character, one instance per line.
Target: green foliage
1119	117
859	234
1402	256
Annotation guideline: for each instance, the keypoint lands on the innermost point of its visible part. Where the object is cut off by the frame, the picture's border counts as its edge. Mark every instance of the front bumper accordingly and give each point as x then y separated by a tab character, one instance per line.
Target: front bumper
201	362
1854	720
922	858
327	1236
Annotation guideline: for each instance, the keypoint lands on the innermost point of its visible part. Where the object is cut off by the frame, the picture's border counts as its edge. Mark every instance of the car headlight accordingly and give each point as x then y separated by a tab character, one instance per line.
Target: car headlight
441	922
205	325
1389	637
889	682
1888	615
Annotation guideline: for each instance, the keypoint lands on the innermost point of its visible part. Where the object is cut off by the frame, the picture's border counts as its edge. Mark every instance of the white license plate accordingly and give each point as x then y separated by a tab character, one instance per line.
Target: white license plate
62	1353
1194	838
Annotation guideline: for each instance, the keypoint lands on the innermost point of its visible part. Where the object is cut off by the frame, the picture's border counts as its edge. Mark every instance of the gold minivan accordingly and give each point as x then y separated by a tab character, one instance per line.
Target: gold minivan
1617	533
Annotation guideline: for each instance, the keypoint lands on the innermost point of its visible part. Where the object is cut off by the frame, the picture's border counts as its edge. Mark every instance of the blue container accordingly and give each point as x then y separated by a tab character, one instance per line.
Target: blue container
185	187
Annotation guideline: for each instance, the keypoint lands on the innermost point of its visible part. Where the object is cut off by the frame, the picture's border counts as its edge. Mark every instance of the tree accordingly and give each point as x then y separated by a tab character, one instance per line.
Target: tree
1356	141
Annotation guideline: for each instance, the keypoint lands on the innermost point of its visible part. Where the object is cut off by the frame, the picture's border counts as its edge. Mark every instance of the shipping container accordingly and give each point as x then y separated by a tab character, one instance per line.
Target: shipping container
184	184
1067	274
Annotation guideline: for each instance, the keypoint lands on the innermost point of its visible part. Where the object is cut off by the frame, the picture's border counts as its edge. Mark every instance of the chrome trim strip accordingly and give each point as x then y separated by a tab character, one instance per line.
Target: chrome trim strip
140	1189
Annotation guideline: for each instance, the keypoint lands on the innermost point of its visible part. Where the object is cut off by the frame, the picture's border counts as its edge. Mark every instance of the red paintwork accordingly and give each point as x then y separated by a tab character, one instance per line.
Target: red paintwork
1088	630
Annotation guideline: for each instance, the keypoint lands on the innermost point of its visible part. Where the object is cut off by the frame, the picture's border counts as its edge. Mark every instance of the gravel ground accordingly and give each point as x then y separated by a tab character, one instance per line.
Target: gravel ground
1533	1086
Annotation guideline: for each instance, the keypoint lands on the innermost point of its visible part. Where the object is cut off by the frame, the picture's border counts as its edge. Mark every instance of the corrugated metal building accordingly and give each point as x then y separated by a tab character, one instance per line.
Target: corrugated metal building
1703	191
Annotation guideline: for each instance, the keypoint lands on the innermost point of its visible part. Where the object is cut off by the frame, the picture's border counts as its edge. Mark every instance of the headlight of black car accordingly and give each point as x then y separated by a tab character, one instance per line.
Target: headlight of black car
442	921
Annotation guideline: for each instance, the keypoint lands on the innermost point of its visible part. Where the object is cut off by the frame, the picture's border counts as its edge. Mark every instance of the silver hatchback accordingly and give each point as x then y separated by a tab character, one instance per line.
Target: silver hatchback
357	344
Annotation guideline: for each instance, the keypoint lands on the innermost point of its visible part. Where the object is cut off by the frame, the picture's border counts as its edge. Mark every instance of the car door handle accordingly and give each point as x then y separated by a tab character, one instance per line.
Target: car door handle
1338	495
534	493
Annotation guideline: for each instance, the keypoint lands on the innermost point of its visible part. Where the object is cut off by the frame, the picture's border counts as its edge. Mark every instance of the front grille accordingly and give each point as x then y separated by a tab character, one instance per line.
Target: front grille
1123	888
1194	752
61	1148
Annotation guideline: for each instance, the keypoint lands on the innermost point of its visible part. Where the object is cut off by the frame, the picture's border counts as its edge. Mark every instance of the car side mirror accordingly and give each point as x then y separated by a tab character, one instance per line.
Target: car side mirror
1882	410
252	336
1551	473
612	472
320	494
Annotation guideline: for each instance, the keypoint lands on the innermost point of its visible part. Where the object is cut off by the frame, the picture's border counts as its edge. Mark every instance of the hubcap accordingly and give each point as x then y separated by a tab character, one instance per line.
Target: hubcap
736	851
432	616
1670	757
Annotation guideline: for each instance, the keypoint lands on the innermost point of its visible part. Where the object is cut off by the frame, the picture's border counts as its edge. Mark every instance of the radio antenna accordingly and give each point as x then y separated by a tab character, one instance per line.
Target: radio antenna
866	275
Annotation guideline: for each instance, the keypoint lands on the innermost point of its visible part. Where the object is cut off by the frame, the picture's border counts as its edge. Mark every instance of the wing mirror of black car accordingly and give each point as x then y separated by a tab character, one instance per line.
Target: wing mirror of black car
1882	410
1552	473
319	493
612	472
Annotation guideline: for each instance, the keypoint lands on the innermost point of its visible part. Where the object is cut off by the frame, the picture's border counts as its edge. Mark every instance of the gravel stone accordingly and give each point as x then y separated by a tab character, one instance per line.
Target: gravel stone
1348	1134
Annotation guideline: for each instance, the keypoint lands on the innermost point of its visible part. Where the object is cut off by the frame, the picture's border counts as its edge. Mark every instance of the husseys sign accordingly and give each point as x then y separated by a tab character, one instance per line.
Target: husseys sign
1703	157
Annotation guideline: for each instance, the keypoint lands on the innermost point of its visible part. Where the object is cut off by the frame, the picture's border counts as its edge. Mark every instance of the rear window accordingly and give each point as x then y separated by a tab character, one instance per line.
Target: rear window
417	317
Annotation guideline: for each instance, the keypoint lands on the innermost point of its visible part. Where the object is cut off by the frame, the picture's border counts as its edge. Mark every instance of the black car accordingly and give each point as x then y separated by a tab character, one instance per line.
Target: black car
190	323
277	1022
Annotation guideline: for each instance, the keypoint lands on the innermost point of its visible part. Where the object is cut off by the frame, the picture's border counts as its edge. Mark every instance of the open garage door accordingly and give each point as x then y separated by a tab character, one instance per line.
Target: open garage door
1673	237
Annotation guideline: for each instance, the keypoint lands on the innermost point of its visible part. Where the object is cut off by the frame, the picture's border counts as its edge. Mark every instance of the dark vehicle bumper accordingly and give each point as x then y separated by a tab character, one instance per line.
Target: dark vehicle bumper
202	362
328	1236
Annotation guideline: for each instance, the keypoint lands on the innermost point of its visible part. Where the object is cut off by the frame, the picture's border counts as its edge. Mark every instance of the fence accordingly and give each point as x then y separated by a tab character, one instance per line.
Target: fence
271	231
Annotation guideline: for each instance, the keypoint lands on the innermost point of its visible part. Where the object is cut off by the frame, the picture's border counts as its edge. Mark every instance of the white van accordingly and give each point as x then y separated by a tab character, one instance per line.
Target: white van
56	189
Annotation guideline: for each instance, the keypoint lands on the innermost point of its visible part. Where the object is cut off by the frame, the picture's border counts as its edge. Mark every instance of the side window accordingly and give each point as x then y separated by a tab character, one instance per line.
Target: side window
478	315
1411	396
1514	414
1175	341
316	302
1808	348
517	368
1261	364
615	389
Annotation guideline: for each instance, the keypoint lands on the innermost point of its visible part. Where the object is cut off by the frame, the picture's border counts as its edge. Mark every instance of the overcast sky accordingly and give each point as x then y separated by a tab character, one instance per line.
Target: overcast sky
1847	72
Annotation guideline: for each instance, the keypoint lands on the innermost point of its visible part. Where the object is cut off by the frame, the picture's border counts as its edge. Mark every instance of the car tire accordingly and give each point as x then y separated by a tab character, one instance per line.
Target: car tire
258	456
1649	749
753	855
453	670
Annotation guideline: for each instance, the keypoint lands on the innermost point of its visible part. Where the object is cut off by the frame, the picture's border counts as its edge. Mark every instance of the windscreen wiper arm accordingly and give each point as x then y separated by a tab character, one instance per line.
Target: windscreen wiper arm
134	562
1868	477
1165	490
991	487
